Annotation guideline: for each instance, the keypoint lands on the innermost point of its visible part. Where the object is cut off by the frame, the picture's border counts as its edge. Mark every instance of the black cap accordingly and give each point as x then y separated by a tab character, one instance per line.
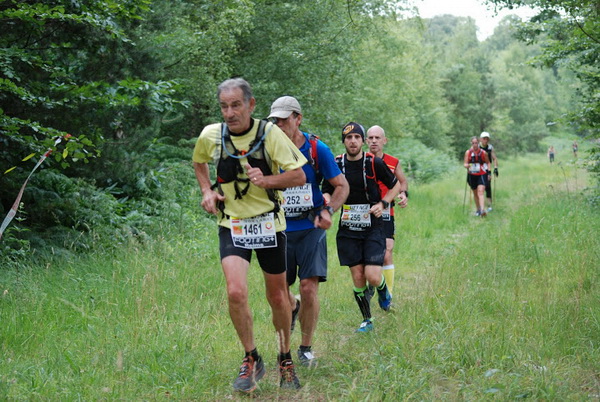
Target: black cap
353	128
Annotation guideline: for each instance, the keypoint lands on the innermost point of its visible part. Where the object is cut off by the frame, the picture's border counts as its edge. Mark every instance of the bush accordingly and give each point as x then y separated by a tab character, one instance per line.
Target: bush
421	163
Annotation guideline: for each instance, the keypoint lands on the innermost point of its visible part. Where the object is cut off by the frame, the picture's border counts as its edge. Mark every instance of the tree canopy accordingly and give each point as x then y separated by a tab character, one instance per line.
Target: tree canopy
133	82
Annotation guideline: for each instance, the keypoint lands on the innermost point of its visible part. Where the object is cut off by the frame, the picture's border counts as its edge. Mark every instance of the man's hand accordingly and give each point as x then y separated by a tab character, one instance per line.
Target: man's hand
402	199
256	176
377	209
323	219
210	200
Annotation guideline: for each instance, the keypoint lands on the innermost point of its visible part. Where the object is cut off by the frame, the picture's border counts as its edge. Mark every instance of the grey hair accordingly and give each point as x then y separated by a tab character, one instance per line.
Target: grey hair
236	83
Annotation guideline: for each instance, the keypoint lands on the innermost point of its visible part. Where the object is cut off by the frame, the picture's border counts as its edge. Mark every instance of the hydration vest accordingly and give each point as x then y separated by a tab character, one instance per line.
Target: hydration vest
477	158
369	178
392	163
488	150
313	156
229	167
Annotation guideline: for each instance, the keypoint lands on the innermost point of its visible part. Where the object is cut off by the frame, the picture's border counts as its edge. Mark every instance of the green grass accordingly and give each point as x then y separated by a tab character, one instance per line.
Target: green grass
501	308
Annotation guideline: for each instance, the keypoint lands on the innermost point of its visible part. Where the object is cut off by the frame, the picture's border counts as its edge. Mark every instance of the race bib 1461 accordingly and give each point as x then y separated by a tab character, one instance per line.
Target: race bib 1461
254	233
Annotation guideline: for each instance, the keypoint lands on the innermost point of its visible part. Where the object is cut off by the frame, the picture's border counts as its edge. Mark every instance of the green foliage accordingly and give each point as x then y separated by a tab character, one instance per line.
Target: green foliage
309	57
70	67
592	164
13	247
195	45
568	33
402	94
422	164
76	214
44	77
465	76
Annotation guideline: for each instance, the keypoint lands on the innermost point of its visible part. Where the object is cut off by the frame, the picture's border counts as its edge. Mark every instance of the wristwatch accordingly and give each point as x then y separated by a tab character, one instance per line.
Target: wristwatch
385	204
329	209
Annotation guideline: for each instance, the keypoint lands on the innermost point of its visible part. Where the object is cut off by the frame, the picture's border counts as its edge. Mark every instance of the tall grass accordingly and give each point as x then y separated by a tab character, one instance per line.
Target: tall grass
505	308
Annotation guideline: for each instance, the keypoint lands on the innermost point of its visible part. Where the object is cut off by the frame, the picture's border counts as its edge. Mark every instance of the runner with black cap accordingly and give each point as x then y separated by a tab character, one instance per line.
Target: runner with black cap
361	238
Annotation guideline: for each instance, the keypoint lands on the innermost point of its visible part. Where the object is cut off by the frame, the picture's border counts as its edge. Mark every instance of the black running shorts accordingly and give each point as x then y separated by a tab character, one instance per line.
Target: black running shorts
389	228
477	180
272	260
369	250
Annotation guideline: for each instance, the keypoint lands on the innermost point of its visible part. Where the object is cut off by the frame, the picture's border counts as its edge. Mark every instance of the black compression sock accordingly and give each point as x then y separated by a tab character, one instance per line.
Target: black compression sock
285	356
253	353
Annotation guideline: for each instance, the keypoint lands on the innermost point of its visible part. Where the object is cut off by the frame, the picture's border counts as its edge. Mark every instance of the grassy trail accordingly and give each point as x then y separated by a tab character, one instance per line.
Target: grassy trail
501	308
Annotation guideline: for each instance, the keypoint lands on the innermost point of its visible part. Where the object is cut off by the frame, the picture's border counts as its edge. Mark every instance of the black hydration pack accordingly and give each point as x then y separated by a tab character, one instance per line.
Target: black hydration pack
229	167
369	178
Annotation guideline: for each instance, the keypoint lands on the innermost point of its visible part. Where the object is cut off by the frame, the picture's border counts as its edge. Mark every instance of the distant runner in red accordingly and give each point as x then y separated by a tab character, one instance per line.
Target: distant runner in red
475	161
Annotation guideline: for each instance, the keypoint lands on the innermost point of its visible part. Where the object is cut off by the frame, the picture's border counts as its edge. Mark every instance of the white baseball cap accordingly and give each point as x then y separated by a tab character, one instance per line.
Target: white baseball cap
283	107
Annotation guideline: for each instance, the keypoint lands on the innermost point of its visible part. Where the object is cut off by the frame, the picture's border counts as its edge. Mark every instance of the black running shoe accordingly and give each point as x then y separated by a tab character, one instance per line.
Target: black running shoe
295	313
289	380
250	372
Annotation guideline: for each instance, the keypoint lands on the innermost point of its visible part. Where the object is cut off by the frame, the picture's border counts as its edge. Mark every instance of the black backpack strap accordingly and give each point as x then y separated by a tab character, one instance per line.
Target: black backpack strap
340	162
259	144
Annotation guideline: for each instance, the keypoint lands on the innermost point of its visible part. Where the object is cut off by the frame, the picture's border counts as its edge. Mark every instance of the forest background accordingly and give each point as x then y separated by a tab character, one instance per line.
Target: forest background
119	90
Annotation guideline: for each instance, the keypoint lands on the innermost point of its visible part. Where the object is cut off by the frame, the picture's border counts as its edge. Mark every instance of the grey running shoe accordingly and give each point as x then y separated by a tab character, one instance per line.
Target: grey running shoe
306	358
250	372
295	313
289	380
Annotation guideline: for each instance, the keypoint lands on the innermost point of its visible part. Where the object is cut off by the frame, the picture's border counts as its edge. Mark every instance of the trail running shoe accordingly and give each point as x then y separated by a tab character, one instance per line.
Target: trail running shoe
483	213
489	209
289	380
385	299
307	359
250	372
295	313
478	213
365	326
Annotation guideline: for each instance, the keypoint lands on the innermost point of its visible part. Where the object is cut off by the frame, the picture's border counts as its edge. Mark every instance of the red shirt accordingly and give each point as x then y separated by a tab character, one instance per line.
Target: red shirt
477	158
391	163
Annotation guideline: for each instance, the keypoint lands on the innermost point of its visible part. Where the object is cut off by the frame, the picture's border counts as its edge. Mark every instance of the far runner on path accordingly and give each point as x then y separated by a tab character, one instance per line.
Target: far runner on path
489	150
474	161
